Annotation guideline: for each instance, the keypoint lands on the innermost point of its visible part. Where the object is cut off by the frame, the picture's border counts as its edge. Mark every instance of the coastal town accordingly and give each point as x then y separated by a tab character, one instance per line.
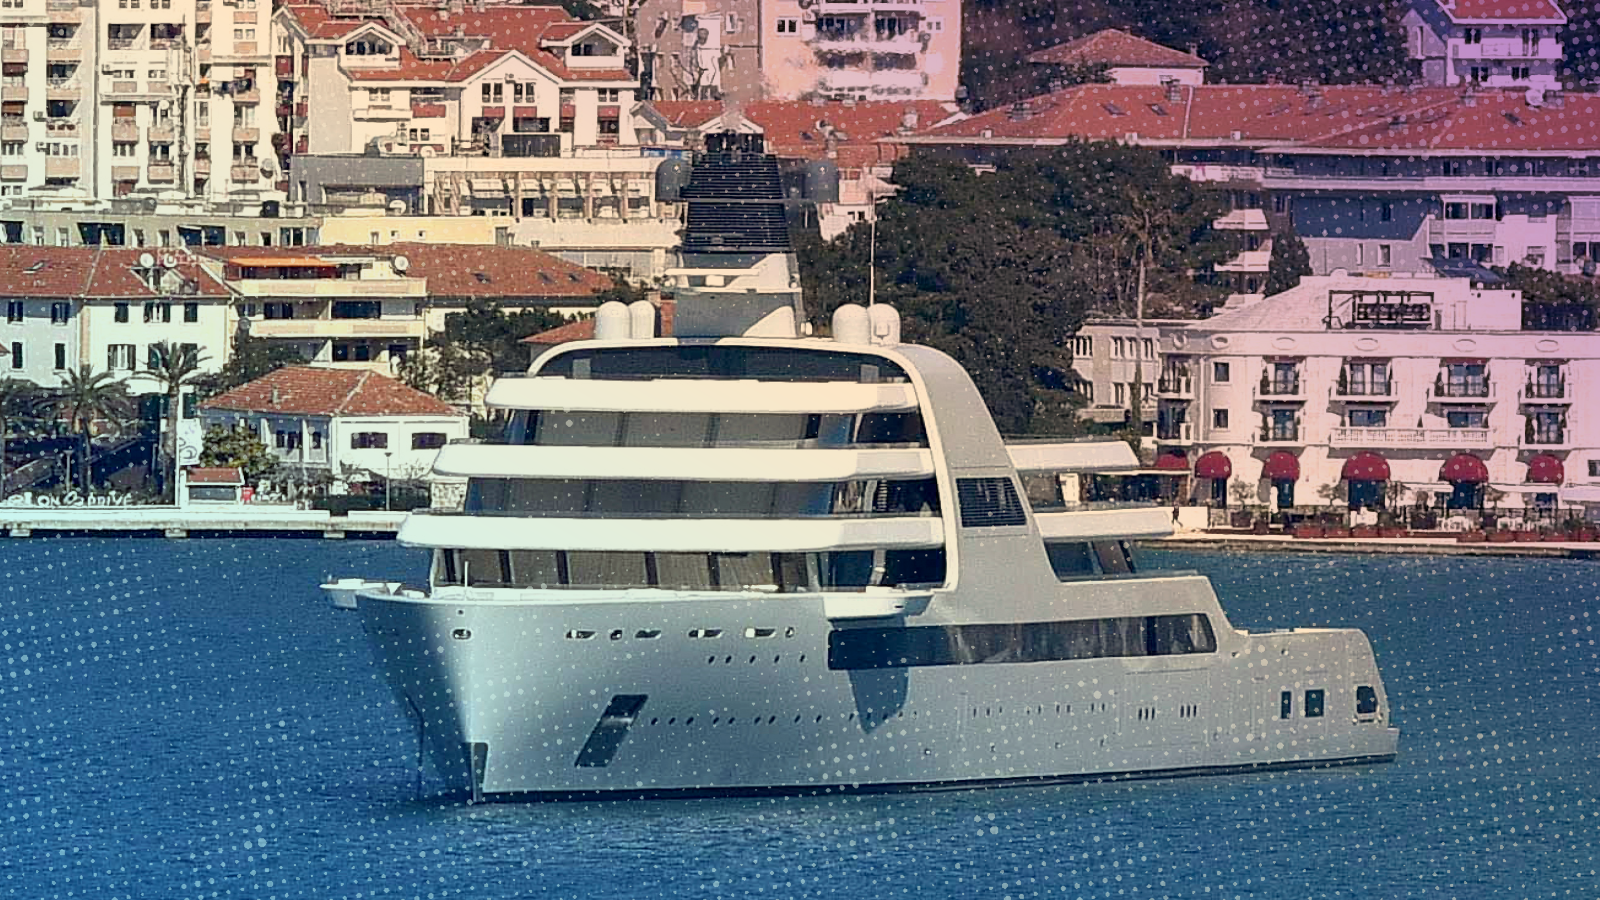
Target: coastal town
278	256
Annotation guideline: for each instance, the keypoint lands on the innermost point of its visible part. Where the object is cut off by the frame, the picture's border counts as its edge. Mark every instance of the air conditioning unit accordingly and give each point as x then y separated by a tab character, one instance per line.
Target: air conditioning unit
108	69
41	146
38	115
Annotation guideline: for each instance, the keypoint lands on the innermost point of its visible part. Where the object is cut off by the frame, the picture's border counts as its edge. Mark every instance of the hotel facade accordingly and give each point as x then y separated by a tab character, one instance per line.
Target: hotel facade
1365	392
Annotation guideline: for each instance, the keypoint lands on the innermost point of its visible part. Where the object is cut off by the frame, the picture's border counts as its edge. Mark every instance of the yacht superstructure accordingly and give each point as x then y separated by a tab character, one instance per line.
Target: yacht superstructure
741	559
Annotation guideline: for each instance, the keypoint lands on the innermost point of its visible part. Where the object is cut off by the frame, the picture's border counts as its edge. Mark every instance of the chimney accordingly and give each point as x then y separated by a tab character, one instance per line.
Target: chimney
1174	91
1019	111
909	120
273	400
1555	99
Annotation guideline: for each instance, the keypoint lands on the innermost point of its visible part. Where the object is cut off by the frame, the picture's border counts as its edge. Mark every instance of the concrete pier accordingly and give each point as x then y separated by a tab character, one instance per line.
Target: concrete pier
170	522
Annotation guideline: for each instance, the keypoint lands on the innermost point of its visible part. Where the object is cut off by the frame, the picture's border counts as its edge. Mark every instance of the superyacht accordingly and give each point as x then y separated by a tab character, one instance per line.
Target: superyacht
749	559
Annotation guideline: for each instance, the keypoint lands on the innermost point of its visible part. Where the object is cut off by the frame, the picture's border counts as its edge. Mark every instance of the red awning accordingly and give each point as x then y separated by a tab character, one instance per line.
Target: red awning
1172	462
1546	469
524	112
1465	361
610	112
1281	466
1213	465
1365	466
1464	468
494	112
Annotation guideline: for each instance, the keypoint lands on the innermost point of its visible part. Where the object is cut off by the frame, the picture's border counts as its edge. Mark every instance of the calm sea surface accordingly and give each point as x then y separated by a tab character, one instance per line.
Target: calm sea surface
190	719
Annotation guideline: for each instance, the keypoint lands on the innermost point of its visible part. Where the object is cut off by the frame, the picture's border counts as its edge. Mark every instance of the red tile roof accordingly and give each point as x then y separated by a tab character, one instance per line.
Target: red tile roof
90	272
1503	11
462	270
315	391
790	127
1353	117
583	329
214	475
1113	47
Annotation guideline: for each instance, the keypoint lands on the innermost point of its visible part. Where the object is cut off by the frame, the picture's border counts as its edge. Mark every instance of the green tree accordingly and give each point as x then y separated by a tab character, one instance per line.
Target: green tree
999	270
20	402
177	366
85	398
251	358
238	448
1290	262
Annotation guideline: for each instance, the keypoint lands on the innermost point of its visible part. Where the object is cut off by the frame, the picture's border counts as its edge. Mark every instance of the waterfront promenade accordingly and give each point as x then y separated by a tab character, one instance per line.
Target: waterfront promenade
1439	546
173	522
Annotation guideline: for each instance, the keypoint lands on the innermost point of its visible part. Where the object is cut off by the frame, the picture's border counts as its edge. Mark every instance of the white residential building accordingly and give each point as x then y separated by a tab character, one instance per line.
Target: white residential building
1495	43
1368	391
355	425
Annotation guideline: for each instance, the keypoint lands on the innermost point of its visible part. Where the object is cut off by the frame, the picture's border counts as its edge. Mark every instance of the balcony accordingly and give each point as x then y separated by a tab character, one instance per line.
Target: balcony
249	95
14	130
63	50
61	127
1281	390
14	173
847	7
1175	387
1364	391
1513	48
64	11
63	89
1418	438
1179	433
244	48
124	173
302	109
1546	393
125	131
1217	173
330	289
247	174
1465	393
307	329
14	92
202	166
163	134
427	110
1546	438
905	44
124	43
123	88
283	66
244	135
202	14
162	173
61	167
12	54
1281	435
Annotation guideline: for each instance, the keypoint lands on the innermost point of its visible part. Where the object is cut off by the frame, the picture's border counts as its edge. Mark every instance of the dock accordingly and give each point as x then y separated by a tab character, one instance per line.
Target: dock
1432	546
175	523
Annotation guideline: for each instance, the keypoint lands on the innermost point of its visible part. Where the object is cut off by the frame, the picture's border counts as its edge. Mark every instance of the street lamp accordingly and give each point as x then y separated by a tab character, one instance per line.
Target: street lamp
387	484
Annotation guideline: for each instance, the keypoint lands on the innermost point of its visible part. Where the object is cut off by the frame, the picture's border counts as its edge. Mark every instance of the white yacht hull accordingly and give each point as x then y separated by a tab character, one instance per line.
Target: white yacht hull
518	696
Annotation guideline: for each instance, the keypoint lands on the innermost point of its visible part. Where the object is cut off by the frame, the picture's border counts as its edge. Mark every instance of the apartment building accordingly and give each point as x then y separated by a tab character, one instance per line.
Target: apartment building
750	50
154	98
106	308
1373	179
1494	43
1370	392
357	307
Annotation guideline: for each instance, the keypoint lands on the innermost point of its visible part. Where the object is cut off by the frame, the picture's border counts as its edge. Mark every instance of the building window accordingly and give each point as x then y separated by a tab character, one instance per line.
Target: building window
1314	704
1385	211
119	356
1285	704
610	95
14	311
1121	392
427	440
1369	418
60	312
61	357
1478	74
1219	373
158	312
1466	418
1219	419
1521	73
191	312
1385	255
1594	468
120	312
788	26
494	93
16	354
369	440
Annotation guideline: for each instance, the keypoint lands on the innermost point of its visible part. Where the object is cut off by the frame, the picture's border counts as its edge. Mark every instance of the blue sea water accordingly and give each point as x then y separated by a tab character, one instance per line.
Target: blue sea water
190	719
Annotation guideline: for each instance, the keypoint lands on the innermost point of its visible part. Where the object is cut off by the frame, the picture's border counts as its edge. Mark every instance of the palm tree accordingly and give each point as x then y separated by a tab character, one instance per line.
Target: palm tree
20	401
174	366
85	398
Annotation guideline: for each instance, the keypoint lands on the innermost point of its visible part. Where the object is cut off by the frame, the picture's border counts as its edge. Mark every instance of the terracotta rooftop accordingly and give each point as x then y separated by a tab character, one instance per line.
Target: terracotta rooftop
790	127
316	391
107	272
214	475
583	329
1503	11
1352	117
509	29
1113	47
461	270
